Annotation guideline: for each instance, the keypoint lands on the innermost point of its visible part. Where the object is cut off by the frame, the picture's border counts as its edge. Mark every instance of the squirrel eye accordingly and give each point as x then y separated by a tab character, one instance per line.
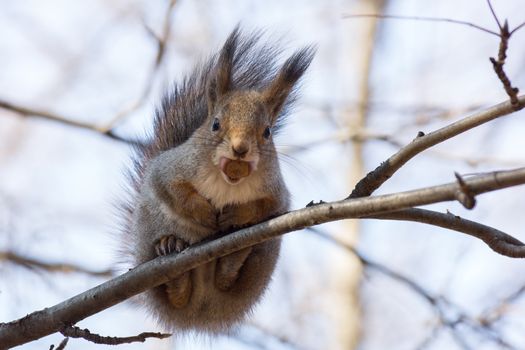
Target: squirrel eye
267	132
216	125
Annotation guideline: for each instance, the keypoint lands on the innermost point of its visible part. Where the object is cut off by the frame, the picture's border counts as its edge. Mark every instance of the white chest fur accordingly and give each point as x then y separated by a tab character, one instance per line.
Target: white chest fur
213	187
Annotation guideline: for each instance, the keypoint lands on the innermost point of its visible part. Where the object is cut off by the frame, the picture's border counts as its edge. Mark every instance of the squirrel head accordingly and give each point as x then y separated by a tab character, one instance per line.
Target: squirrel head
240	121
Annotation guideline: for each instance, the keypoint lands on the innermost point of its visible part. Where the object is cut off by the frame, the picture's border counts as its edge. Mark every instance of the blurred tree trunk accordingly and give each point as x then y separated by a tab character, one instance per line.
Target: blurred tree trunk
347	270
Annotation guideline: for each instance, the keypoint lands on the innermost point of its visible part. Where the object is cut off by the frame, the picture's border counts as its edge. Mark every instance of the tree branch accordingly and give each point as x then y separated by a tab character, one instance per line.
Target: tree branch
374	179
165	268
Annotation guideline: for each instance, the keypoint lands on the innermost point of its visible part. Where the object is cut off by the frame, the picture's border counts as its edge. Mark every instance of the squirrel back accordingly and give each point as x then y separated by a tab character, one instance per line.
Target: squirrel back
211	167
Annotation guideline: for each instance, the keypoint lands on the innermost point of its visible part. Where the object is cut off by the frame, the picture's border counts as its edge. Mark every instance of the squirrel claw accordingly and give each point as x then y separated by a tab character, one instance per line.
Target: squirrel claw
169	244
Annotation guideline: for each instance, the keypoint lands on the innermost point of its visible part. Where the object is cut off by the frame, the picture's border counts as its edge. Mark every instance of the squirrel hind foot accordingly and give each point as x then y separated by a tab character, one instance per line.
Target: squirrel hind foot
229	268
179	290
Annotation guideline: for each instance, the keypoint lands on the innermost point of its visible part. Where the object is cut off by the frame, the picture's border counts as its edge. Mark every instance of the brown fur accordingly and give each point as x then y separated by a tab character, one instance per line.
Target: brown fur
223	111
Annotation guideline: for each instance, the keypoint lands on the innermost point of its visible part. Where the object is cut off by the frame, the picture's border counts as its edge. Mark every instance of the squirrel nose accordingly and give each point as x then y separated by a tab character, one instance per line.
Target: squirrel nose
240	150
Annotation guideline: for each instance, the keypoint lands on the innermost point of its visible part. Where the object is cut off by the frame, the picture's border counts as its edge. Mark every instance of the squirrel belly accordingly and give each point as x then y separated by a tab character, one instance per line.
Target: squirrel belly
209	167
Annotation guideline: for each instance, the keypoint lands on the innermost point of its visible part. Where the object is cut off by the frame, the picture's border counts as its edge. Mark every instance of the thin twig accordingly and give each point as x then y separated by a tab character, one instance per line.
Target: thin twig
423	18
76	332
162	42
494	14
517	28
30	112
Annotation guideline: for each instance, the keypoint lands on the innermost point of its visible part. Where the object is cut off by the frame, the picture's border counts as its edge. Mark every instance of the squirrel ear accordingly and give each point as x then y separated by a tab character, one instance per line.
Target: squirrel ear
219	84
277	92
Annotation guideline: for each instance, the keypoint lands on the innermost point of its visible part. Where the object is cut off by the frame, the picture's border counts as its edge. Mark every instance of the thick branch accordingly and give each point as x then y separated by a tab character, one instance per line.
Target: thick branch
374	179
162	269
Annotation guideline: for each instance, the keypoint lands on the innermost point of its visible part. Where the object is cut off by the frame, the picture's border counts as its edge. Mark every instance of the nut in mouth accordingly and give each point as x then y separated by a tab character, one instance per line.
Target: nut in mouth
234	171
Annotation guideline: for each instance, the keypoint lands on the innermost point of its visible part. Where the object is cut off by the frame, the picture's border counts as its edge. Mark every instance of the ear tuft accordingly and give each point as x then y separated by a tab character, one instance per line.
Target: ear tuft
220	82
276	94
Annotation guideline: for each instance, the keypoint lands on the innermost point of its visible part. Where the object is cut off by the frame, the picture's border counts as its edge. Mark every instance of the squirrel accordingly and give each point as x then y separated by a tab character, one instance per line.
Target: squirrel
211	167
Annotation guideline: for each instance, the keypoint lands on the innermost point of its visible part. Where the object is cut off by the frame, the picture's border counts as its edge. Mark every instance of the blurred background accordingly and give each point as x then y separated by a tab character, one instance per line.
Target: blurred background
100	67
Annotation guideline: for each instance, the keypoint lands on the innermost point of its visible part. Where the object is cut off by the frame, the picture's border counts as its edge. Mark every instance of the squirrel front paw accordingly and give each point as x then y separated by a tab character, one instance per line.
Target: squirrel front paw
203	212
235	217
169	244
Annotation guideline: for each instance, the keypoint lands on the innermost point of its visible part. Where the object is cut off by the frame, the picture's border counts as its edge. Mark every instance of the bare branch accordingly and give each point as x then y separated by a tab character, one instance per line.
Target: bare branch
165	268
426	19
498	64
29	112
382	173
498	241
33	264
76	332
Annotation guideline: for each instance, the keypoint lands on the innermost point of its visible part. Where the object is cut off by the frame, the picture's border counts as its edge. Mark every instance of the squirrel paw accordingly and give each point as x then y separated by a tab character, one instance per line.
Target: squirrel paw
169	244
203	212
229	268
233	217
178	289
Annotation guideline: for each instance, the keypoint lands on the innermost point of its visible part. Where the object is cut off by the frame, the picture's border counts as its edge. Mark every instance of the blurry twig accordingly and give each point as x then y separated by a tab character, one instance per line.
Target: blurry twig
34	264
29	112
162	42
341	136
449	314
108	128
504	34
267	333
497	312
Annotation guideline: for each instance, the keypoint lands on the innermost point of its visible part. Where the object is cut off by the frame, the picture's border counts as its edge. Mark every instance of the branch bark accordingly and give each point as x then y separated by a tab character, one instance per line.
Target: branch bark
162	269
